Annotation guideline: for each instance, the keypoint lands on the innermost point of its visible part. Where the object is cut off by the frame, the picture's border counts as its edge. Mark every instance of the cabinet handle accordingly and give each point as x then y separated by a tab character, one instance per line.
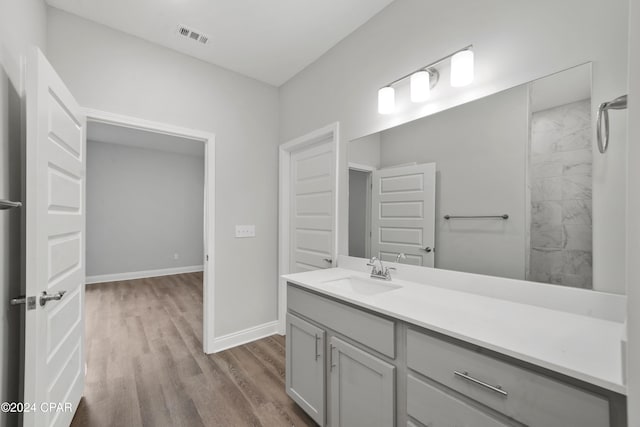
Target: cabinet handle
466	376
331	365
317	339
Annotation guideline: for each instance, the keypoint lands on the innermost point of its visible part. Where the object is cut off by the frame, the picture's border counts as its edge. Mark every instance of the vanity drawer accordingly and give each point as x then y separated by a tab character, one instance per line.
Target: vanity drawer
375	332
435	408
523	395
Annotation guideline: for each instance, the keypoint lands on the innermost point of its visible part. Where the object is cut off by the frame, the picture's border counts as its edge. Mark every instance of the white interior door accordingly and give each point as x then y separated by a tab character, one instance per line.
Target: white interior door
55	246
403	218
312	208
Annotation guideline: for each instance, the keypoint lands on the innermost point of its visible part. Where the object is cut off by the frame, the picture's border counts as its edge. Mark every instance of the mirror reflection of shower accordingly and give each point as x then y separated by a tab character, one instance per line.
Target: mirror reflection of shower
560	177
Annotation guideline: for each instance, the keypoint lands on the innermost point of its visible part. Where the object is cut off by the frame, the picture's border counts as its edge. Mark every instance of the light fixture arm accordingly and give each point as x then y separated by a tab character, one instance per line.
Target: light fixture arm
430	68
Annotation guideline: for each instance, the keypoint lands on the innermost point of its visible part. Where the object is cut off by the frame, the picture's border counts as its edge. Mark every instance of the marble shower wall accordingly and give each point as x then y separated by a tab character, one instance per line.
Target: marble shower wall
561	193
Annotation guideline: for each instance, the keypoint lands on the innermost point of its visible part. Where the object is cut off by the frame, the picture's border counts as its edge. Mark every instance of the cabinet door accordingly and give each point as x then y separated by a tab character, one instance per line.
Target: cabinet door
362	388
305	367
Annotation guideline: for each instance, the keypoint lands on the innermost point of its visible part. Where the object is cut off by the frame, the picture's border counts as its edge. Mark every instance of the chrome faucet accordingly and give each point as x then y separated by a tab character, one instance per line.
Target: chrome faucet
383	272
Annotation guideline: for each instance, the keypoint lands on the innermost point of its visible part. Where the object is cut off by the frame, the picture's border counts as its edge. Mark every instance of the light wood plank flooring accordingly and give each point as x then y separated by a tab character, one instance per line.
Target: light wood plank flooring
146	366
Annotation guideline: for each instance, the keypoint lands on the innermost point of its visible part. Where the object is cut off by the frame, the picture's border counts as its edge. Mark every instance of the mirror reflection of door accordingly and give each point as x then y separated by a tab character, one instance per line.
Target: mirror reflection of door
392	211
403	218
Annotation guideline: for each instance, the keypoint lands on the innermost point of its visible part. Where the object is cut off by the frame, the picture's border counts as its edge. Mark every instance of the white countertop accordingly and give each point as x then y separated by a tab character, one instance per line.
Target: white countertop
580	346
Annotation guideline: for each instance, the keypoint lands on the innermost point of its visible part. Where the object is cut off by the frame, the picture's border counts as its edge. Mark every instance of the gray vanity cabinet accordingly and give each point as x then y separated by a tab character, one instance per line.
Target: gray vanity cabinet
532	399
384	372
305	370
362	387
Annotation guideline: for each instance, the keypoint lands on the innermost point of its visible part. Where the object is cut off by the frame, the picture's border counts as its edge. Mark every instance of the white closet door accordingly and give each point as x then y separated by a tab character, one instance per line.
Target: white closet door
55	248
312	208
403	218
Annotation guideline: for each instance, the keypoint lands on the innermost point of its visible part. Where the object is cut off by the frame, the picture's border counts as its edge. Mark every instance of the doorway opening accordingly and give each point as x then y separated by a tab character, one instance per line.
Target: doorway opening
150	208
360	182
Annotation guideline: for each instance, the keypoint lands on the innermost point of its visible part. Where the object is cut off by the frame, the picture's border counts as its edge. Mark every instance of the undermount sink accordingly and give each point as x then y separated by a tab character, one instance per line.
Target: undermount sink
361	286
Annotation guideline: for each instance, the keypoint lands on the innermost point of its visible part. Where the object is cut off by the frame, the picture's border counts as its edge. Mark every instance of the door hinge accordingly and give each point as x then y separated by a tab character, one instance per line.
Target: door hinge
30	302
206	257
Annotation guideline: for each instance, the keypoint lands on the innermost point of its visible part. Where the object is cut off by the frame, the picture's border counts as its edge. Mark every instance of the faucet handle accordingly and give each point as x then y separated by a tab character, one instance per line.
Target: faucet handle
387	272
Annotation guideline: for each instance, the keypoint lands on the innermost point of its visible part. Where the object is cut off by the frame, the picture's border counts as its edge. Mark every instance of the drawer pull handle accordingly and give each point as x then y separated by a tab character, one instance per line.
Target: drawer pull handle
331	364
317	339
466	376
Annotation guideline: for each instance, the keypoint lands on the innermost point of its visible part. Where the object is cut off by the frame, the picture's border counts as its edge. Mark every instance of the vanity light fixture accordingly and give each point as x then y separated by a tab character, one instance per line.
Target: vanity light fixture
420	86
386	100
426	78
462	68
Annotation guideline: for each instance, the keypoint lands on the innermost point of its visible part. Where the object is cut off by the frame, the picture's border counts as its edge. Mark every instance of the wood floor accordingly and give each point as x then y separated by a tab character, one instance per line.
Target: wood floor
146	366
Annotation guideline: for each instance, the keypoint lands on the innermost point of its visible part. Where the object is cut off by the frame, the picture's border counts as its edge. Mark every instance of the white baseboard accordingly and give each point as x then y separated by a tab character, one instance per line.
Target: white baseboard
245	336
142	274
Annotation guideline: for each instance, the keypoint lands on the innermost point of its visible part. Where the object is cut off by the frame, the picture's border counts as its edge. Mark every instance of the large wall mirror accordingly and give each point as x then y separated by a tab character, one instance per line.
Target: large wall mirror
499	186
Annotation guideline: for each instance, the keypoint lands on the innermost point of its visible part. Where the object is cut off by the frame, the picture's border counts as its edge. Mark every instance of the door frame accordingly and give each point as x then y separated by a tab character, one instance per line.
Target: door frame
208	138
369	171
331	133
633	219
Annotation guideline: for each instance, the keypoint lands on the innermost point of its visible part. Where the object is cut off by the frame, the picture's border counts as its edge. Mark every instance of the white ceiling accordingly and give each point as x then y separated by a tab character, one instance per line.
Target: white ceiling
269	40
112	134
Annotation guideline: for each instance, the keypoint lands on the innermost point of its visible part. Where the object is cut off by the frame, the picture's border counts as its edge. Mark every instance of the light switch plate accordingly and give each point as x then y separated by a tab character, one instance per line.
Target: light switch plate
243	231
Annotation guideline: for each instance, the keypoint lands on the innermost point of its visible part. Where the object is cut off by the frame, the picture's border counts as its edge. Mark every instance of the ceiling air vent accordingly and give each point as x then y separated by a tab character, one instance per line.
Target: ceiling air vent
192	34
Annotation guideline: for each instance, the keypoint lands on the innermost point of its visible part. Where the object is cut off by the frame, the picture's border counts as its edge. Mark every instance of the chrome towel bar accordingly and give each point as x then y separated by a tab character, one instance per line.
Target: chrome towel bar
505	216
8	204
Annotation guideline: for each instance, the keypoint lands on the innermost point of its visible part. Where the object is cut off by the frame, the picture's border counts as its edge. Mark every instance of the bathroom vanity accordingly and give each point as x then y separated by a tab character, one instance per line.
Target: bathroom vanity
490	205
443	349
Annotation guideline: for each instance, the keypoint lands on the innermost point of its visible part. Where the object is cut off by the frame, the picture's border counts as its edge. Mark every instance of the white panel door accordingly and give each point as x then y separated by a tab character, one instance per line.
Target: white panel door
55	246
312	208
403	219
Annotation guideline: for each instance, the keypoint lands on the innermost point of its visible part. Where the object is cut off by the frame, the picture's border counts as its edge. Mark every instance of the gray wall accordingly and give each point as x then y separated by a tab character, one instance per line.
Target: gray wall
143	206
511	48
22	23
111	71
365	150
480	153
